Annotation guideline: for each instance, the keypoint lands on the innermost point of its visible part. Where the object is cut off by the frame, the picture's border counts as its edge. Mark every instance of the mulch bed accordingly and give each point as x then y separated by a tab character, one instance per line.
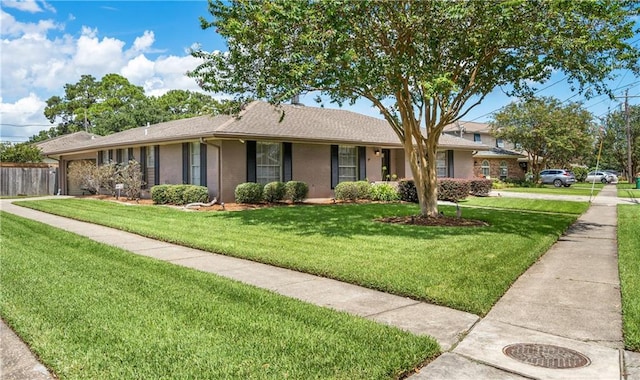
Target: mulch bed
431	221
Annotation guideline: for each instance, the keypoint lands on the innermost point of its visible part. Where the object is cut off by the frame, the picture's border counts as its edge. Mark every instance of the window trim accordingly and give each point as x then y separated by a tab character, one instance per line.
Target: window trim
485	164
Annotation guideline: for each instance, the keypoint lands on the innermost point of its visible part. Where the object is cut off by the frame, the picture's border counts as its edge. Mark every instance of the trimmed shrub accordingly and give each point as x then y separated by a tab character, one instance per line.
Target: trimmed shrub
179	194
274	192
296	191
384	192
346	191
195	194
480	187
249	192
407	191
452	189
159	194
580	173
364	189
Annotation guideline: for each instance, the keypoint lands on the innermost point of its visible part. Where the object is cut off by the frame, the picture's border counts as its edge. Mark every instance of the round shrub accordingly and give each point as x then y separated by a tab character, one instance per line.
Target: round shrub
346	191
364	189
407	191
248	192
296	191
384	192
159	194
274	192
195	194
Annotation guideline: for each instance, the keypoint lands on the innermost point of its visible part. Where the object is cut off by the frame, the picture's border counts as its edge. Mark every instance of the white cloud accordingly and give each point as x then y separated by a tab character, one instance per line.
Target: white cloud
23	119
144	42
23	5
36	64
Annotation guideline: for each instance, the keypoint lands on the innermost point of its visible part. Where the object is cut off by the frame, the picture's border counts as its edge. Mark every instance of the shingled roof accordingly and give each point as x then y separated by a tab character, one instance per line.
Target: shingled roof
262	121
65	142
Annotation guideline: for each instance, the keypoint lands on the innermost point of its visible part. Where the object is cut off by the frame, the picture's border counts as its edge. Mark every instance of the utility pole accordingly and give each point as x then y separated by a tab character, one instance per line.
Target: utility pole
630	174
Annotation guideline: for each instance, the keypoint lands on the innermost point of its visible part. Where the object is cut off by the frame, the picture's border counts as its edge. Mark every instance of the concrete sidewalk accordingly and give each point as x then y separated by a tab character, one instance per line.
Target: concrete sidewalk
567	303
570	299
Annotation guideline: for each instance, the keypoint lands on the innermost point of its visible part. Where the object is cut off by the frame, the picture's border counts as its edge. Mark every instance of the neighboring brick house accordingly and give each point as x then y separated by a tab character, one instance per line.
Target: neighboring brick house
319	146
503	161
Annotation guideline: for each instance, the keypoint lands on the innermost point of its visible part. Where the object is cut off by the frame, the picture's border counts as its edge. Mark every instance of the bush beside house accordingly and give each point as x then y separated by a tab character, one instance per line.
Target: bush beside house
179	194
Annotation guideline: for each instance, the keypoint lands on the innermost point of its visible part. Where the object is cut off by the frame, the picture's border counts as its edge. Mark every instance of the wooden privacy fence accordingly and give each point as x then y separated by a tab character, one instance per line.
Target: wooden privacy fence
27	179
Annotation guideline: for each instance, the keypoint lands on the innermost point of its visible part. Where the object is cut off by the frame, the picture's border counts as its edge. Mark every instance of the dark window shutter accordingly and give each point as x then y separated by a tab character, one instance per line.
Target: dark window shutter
203	164
251	161
118	156
287	162
362	163
334	166
185	162
156	168
110	155
143	163
100	160
386	162
450	164
130	154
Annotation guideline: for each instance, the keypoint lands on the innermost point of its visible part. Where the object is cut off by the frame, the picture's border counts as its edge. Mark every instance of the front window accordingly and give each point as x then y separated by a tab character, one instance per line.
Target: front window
195	163
486	169
150	161
268	162
441	164
500	143
347	163
477	138
105	156
503	169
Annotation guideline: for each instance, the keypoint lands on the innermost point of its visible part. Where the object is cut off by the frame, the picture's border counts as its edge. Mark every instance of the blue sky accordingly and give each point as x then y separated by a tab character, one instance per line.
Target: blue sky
46	45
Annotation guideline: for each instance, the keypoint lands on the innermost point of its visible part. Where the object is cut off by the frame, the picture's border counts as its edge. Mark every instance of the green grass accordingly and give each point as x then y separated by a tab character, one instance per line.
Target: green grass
554	206
90	311
464	268
629	264
577	189
628	190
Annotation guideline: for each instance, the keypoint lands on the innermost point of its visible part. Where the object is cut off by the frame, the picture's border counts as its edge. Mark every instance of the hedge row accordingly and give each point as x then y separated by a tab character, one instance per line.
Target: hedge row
449	189
179	194
251	192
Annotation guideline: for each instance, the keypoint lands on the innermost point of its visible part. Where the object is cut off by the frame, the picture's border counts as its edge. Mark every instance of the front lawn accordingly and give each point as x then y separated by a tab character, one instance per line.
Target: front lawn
90	311
628	190
577	189
464	268
629	264
554	206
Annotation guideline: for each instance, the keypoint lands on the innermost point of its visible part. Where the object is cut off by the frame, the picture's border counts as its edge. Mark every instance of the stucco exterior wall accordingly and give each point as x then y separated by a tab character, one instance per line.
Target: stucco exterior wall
213	167
463	164
233	168
170	164
311	163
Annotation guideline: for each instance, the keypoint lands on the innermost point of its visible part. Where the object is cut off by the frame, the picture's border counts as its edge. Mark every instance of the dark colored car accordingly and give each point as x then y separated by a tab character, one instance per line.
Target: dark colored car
557	177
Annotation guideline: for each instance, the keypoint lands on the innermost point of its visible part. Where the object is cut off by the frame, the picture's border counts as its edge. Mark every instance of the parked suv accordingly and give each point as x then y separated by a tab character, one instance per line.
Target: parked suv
558	177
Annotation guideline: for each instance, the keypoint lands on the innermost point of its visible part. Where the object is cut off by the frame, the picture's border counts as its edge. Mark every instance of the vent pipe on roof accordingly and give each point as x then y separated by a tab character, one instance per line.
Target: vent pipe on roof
295	100
146	130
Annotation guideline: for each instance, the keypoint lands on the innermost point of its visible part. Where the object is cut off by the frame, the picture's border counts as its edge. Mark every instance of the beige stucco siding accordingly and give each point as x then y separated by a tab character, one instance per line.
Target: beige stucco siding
311	163
462	164
170	164
233	168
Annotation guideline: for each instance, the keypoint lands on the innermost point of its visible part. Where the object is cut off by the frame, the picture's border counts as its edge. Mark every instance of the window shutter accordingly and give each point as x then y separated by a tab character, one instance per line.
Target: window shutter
156	168
334	166
203	164
185	162
118	156
287	162
450	164
100	160
251	161
110	155
362	163
130	154
143	164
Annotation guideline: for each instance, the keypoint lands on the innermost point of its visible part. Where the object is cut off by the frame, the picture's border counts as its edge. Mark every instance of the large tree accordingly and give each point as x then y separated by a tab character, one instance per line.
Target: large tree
423	64
620	130
551	133
21	152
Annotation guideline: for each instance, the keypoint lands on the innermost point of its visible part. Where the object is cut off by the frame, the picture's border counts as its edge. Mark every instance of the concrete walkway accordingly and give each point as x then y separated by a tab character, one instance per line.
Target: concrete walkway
570	298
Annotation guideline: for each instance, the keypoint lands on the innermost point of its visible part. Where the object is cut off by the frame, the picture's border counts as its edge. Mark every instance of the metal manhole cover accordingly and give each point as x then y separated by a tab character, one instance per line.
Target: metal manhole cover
546	355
